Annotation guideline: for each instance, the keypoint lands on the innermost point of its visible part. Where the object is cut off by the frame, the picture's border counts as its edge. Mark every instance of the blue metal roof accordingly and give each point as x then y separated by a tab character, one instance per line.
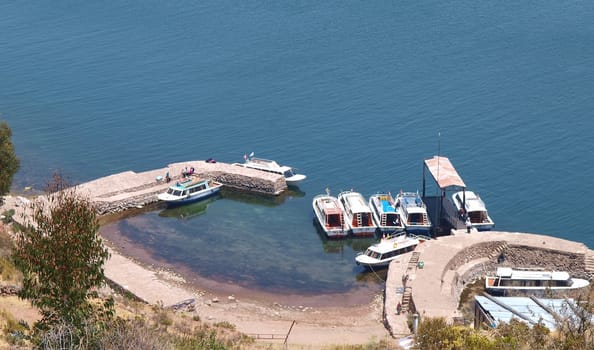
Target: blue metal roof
525	309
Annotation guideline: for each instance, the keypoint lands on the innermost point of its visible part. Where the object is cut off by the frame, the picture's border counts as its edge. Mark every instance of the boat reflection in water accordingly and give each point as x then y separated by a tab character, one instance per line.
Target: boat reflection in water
266	200
198	208
189	211
356	244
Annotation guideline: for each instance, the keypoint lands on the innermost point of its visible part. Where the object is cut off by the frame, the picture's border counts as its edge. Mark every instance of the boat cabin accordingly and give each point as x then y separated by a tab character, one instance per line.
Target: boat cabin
359	211
187	187
388	216
388	254
508	278
331	212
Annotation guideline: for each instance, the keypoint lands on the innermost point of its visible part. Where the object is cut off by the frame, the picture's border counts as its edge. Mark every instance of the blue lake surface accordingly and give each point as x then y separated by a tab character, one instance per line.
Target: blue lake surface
354	94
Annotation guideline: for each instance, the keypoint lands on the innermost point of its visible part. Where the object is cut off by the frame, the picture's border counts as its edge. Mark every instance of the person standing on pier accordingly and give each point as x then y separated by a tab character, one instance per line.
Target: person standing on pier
468	224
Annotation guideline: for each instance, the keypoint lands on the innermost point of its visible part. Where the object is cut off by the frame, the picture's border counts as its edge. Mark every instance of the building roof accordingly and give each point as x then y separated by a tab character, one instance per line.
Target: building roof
443	172
531	310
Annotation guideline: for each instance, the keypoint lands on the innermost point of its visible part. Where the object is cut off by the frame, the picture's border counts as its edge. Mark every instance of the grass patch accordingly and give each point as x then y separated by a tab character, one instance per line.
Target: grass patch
15	332
380	345
475	288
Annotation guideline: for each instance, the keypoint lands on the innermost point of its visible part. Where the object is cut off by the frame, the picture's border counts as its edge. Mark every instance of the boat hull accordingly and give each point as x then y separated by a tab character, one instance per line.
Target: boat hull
381	254
172	202
367	231
335	228
418	229
538	291
374	264
484	227
331	233
295	180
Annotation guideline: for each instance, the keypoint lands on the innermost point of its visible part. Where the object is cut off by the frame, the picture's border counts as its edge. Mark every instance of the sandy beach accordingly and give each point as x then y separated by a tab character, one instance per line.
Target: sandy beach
337	319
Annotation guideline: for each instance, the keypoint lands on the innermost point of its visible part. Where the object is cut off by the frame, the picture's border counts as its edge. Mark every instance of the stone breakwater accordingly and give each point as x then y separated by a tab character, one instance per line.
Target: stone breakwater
128	189
451	262
504	254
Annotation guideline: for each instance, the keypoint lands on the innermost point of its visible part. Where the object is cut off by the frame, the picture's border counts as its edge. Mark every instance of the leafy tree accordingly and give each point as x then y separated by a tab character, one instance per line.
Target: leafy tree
62	257
9	163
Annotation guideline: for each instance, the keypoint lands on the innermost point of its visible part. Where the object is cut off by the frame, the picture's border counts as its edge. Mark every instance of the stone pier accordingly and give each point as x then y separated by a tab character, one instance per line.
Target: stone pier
129	189
451	262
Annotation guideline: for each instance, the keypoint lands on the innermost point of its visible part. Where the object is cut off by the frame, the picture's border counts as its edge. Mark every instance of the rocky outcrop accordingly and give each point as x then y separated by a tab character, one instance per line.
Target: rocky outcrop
6	290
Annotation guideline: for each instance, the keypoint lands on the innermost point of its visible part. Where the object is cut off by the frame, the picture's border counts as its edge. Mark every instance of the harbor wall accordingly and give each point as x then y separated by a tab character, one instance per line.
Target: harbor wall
129	189
450	263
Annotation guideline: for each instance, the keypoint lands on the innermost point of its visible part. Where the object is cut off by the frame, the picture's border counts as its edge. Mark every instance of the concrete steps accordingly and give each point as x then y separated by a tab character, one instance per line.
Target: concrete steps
497	251
414	260
589	262
406	298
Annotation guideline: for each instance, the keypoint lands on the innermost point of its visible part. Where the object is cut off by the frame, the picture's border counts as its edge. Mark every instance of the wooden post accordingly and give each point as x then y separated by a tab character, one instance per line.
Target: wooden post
289	332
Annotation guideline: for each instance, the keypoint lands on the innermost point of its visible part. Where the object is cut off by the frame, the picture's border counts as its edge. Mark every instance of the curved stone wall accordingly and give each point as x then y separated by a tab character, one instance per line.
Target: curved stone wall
500	254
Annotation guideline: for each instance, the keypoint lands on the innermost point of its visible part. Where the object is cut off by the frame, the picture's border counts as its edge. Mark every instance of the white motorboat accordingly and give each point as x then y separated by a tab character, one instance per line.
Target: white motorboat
385	215
390	248
469	203
188	190
414	213
357	213
330	216
291	177
508	279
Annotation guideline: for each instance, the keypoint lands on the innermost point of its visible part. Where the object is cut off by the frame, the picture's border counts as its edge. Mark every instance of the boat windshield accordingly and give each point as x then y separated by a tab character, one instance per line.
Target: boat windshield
289	173
174	192
373	254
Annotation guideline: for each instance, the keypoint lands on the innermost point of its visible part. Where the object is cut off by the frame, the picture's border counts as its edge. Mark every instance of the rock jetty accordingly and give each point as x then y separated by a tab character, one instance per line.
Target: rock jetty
129	189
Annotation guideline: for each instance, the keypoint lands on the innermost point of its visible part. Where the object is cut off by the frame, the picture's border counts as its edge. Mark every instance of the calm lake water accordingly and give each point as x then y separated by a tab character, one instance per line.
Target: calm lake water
354	94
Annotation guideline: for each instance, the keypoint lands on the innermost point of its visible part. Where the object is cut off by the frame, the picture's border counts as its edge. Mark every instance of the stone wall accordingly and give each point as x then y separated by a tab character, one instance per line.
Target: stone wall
269	185
548	259
474	252
513	256
248	183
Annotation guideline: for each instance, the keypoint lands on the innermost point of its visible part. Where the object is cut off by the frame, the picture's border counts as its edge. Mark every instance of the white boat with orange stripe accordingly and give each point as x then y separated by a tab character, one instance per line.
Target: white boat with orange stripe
330	216
358	215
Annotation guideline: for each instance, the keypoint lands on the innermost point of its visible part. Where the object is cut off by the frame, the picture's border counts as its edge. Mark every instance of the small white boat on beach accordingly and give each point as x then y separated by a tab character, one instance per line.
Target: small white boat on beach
414	213
390	248
469	203
358	215
291	177
330	216
508	280
188	190
385	215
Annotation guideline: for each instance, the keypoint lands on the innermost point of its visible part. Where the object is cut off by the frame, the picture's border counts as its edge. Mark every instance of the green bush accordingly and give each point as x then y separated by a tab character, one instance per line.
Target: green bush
7	216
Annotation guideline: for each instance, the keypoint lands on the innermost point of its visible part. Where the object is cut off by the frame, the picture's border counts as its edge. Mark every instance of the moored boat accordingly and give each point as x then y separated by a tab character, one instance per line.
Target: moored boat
188	190
385	215
508	280
330	216
470	205
291	177
357	213
387	249
414	213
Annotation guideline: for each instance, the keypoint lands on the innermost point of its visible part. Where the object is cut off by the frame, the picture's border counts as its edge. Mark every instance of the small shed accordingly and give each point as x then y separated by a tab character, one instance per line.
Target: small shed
442	211
444	173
